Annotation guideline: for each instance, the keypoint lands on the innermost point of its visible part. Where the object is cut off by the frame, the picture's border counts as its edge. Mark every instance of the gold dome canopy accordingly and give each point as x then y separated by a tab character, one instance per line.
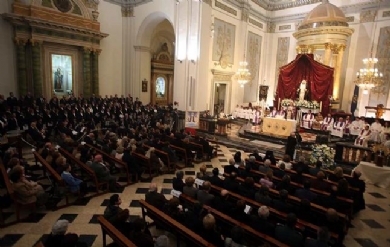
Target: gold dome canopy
325	14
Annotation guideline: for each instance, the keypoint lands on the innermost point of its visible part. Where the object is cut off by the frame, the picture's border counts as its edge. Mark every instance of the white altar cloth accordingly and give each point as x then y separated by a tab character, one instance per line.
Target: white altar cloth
373	174
281	127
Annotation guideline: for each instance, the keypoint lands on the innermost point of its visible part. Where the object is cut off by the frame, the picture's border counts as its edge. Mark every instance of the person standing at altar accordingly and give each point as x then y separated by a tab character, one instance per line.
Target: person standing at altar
307	120
348	123
317	122
355	128
291	144
363	137
290	112
236	111
273	112
281	113
256	117
362	122
338	128
376	130
327	123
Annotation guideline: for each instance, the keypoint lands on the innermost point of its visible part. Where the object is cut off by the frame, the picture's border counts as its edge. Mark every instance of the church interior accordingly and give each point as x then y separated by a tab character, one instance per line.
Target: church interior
278	109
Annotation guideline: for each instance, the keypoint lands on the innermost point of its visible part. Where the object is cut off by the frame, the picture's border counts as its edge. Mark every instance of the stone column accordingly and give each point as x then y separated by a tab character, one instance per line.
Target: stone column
95	72
37	67
129	55
337	71
21	66
87	72
328	53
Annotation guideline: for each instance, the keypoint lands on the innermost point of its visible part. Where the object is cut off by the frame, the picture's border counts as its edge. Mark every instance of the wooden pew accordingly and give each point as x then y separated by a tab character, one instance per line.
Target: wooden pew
164	157
181	231
198	148
113	160
182	152
11	193
86	169
313	229
143	160
54	175
254	235
110	230
39	244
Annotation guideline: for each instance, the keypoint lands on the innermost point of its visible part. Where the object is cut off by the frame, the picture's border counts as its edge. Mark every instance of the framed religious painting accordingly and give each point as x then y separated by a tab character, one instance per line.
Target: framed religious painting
61	73
144	86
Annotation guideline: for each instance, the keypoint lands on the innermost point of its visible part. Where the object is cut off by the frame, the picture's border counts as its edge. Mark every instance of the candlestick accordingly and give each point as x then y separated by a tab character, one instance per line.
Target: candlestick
320	106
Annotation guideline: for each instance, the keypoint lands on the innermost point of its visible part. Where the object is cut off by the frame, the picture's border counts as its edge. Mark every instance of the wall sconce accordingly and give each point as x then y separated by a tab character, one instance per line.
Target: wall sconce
192	61
180	61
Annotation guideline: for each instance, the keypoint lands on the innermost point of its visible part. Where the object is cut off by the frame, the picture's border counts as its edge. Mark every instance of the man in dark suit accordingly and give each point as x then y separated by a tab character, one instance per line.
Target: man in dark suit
214	179
281	204
260	222
314	170
222	204
322	240
231	184
204	195
287	233
13	123
154	198
103	172
305	193
319	183
231	167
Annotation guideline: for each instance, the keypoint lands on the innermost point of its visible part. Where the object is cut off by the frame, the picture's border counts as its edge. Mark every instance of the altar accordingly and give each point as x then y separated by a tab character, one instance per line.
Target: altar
373	174
279	126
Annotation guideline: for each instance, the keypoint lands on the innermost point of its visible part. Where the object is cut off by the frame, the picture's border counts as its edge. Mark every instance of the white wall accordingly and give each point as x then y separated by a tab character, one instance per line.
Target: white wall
8	81
110	59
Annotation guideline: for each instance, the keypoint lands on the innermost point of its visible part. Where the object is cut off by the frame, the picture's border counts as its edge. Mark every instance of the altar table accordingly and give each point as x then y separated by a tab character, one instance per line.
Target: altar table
379	176
277	126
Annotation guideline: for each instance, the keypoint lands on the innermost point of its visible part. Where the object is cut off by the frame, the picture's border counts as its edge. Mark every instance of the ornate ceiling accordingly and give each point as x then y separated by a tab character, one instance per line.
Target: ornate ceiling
283	4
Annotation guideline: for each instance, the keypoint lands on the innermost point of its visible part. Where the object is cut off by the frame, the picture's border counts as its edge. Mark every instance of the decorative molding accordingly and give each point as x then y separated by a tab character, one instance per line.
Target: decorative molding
386	13
244	15
219	75
225	8
127	3
282	54
284	27
350	18
223	43
256	23
127	11
93	4
271	26
367	16
254	54
142	48
279	5
208	2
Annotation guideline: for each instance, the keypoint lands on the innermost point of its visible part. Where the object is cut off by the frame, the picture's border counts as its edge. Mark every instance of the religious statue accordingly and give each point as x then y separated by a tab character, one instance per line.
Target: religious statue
379	110
58	77
302	91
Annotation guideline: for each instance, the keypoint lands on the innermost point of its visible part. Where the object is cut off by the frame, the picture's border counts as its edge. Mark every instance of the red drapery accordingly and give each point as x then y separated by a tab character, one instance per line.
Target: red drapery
319	79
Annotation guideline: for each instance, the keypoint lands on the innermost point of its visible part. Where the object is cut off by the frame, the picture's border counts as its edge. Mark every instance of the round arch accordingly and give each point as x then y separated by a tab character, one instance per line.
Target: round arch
145	31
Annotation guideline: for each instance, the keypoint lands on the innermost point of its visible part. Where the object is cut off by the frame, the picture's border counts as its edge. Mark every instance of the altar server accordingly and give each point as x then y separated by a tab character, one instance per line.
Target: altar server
376	130
338	128
327	123
355	127
307	120
362	139
236	111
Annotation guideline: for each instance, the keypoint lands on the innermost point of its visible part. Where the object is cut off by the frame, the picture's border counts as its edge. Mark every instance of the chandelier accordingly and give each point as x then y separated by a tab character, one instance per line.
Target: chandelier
242	76
369	77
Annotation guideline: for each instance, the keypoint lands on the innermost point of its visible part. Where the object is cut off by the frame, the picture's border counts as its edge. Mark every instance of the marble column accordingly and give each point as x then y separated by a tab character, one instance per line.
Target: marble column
95	72
328	53
129	55
87	72
37	67
21	66
337	71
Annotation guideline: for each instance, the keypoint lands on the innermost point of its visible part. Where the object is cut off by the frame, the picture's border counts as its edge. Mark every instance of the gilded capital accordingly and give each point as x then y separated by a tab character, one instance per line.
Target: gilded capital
87	49
128	11
367	16
35	42
20	41
245	15
328	46
342	47
271	27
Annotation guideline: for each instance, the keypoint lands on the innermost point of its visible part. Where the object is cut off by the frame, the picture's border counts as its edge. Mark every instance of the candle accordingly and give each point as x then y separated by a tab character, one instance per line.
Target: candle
320	106
279	104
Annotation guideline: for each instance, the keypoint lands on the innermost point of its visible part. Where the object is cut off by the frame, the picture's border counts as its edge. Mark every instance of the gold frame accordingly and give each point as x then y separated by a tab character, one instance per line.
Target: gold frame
51	72
144	86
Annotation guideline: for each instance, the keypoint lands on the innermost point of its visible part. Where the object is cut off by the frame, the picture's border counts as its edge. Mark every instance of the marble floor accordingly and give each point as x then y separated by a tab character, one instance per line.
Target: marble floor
370	227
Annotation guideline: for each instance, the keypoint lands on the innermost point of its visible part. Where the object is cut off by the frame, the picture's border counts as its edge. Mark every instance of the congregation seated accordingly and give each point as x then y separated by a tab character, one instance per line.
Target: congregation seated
215	179
204	196
262	196
232	167
314	170
319	183
202	173
27	192
172	209
116	215
154	198
265	167
305	193
284	184
255	154
237	237
177	182
323	237
140	234
303	164
222	203
75	184
282	204
261	223
189	188
60	238
356	182
103	172
337	174
211	232
193	217
288	234
298	176
267	180
281	171
247	188
231	184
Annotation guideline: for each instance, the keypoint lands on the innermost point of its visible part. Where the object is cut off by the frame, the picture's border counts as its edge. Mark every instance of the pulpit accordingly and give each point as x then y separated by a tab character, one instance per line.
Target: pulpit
207	125
222	123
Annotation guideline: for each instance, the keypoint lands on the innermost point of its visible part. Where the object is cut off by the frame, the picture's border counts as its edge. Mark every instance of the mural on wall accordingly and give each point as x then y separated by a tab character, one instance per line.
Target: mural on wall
282	54
379	95
253	58
223	45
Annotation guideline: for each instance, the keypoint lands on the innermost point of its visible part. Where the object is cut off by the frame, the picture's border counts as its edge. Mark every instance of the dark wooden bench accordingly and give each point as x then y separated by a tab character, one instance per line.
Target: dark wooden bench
110	230
39	244
88	170
181	231
251	234
307	226
144	161
182	152
18	206
164	157
112	160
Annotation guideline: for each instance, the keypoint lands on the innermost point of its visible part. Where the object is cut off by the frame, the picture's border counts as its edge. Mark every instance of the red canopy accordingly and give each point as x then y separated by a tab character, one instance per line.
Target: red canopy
318	76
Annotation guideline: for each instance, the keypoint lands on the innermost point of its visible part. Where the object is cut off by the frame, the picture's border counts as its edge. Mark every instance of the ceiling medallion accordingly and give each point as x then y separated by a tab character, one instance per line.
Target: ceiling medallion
63	5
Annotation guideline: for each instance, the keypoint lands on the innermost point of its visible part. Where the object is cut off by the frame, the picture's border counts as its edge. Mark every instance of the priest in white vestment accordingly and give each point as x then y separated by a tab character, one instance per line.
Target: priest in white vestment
327	123
338	128
355	128
236	111
347	125
256	117
385	132
363	137
376	131
307	120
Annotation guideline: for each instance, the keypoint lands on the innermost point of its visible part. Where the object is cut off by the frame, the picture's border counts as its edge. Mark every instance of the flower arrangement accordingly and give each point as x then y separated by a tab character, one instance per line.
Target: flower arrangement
324	154
307	104
287	102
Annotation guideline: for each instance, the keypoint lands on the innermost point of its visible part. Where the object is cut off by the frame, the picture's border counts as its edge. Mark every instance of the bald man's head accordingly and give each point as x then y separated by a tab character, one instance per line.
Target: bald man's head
224	193
153	187
98	158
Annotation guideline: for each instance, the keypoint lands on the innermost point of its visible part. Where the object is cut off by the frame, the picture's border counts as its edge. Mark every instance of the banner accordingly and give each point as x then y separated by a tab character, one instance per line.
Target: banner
192	119
354	101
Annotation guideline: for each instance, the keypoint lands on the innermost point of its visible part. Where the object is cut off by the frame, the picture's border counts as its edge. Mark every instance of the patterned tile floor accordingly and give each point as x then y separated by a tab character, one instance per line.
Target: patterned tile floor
371	226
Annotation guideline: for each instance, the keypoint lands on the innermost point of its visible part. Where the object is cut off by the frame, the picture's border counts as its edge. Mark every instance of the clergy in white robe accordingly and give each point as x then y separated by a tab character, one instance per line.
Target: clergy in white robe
241	113
273	113
347	125
327	123
385	132
256	117
376	131
307	120
281	114
290	112
363	137
338	128
236	111
355	128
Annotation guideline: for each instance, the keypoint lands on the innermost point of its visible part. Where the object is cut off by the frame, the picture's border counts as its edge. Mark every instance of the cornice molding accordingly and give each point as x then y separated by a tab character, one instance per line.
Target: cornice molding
271	6
126	3
142	48
219	75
